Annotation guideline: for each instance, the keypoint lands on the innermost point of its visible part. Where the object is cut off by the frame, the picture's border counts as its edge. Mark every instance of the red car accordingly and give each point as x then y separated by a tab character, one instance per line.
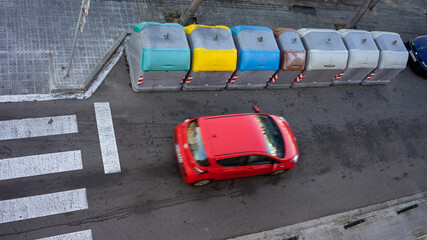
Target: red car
232	146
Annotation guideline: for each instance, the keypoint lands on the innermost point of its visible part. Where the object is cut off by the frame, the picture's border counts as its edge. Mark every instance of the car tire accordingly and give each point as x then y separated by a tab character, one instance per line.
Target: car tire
278	172
201	183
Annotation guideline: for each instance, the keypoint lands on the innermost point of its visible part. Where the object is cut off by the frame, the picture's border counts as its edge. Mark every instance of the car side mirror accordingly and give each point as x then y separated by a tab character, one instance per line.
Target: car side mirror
256	109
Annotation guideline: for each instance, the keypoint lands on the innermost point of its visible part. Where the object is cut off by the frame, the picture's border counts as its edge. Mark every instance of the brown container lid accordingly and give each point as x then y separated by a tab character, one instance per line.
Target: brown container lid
278	31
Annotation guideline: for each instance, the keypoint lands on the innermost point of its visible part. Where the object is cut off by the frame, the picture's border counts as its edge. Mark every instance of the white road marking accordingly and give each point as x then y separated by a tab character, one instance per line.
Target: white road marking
37	127
107	138
42	205
81	235
19	167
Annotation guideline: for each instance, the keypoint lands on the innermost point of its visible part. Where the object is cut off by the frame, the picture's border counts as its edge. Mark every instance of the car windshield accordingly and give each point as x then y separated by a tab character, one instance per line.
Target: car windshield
196	144
272	136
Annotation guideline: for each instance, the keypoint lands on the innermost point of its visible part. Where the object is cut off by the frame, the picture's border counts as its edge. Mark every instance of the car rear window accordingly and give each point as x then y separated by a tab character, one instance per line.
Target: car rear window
272	136
196	144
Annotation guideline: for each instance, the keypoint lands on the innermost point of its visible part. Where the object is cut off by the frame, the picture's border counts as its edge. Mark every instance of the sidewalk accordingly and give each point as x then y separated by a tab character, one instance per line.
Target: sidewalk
403	218
34	30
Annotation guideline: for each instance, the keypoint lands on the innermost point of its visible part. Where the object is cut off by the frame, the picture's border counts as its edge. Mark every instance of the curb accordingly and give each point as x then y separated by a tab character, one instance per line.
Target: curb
334	226
92	76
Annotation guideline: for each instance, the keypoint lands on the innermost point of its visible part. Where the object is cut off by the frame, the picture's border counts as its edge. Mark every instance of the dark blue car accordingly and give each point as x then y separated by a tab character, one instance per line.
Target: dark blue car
418	51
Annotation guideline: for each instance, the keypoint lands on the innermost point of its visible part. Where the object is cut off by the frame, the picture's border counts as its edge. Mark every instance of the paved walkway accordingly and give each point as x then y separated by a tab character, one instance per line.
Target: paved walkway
33	30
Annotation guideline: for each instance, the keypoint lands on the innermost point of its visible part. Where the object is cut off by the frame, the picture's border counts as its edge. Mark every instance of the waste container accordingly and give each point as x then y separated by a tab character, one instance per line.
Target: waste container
214	57
258	57
158	55
363	56
292	58
326	57
393	58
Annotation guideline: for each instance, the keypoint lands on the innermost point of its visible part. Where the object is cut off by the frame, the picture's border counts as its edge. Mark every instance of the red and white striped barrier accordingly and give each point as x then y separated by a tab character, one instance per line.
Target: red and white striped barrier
140	80
233	80
189	79
182	80
274	78
370	76
338	76
300	77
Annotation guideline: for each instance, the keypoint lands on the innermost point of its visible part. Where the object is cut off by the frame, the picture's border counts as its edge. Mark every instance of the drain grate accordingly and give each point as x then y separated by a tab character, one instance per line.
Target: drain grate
303	10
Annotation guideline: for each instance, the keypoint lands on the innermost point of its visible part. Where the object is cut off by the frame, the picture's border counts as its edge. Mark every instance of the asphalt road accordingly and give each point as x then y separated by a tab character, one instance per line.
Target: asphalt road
359	145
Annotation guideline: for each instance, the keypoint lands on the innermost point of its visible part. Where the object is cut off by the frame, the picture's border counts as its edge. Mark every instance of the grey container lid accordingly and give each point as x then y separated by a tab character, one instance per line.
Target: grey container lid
358	39
290	40
362	50
212	38
321	39
161	36
325	49
256	39
393	53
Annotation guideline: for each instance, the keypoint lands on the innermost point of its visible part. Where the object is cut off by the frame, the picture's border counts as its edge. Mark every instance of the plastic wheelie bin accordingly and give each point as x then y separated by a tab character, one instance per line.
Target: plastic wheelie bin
158	55
393	58
214	57
326	57
292	58
258	57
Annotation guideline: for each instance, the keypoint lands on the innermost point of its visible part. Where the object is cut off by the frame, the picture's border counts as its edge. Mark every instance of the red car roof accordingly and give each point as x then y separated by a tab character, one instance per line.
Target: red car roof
230	134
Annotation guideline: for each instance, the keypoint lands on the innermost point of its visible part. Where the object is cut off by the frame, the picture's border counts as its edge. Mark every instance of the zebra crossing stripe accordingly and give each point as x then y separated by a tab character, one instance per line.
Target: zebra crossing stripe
37	127
107	138
81	235
11	168
42	205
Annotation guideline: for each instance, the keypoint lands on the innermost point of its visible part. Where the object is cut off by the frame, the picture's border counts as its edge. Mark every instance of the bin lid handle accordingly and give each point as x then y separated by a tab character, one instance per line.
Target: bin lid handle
329	65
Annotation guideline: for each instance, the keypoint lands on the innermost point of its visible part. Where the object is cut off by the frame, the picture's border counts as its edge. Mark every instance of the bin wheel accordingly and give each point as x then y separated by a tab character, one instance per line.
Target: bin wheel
202	183
278	172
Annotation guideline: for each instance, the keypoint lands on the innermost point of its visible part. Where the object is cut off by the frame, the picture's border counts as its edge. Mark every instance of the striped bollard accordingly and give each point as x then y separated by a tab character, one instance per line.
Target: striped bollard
140	80
370	76
300	77
338	76
233	80
274	78
189	79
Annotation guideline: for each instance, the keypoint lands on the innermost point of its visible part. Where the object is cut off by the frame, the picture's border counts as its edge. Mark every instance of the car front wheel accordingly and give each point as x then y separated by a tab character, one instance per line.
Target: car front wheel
201	183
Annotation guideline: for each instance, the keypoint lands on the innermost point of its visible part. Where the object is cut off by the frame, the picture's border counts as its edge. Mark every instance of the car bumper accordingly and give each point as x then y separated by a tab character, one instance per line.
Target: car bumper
183	156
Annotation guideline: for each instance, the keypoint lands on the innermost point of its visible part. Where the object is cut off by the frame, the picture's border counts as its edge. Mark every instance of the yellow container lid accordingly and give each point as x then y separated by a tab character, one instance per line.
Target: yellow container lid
214	60
192	27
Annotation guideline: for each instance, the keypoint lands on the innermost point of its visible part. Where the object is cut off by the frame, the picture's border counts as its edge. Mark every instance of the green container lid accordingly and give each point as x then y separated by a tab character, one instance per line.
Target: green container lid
138	27
165	59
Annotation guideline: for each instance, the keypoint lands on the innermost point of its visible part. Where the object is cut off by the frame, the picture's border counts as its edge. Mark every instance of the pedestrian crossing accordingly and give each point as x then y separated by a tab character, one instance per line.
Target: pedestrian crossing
42	205
38	127
107	138
30	207
28	166
81	235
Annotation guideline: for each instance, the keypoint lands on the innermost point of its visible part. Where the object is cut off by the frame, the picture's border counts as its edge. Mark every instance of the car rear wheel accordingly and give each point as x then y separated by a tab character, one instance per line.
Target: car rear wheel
278	172
202	183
